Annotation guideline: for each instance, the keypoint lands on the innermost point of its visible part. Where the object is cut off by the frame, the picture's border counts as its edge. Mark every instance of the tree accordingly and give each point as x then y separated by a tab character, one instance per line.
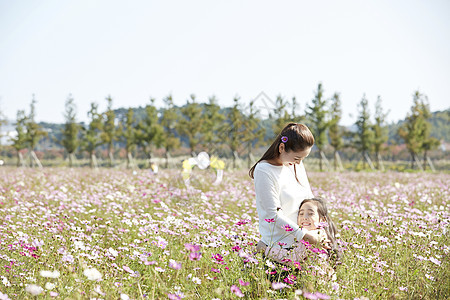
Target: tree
34	133
191	122
168	121
212	124
335	133
19	142
109	134
149	132
92	134
252	134
364	133
317	114
128	134
233	133
71	130
414	128
379	130
3	121
294	108
281	114
428	143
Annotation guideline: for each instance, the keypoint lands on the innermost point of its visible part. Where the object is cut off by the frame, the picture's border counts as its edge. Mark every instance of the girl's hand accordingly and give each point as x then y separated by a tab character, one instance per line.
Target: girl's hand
317	236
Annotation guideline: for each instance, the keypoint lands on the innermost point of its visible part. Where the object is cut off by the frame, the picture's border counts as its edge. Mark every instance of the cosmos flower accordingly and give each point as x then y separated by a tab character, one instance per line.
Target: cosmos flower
33	289
92	274
237	291
174	265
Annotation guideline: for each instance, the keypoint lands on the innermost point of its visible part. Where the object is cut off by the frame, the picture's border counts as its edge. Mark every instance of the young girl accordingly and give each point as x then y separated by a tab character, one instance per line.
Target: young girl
312	215
281	184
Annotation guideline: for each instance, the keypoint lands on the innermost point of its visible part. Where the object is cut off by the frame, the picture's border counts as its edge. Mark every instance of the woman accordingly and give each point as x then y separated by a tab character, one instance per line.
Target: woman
281	185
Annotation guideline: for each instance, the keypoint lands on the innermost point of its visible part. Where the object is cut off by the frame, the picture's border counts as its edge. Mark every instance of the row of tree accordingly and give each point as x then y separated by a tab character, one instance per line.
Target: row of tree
240	128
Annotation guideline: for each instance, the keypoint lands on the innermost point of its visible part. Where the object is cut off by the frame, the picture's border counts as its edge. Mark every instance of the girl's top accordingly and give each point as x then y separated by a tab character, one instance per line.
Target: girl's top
278	198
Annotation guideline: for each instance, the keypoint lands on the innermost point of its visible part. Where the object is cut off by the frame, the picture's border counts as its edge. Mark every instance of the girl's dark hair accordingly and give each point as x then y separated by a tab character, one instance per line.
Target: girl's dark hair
331	230
299	138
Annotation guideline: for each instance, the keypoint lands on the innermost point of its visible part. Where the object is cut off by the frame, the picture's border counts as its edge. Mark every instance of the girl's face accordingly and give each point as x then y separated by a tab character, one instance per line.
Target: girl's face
292	157
308	217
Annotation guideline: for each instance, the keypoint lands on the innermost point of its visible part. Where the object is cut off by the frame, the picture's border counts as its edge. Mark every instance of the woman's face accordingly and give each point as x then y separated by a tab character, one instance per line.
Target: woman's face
292	157
308	217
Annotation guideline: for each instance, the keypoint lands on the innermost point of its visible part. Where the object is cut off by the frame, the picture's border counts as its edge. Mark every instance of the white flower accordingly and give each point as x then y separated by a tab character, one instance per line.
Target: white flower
113	252
33	289
98	290
92	274
124	297
50	286
49	274
4	296
196	280
5	281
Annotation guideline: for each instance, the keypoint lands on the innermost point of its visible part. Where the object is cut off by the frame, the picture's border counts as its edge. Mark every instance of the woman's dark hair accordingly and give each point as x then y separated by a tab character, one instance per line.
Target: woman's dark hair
299	138
331	230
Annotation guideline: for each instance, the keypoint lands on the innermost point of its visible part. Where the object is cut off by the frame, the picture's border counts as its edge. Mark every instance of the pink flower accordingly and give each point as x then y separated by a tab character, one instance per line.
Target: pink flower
434	260
195	255
243	283
215	270
322	296
217	257
322	225
237	291
269	220
236	248
310	296
174	265
192	248
290	280
278	285
287	227
126	268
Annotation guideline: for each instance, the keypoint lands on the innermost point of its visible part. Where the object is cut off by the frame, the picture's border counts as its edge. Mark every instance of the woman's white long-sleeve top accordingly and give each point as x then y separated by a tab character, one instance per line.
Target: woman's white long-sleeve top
278	197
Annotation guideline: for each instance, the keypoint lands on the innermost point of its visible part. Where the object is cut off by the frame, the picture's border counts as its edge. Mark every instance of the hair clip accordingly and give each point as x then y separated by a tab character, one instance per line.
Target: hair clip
284	139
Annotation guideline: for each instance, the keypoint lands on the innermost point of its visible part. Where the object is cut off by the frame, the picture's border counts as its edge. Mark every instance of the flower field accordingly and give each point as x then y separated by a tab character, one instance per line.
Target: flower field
121	234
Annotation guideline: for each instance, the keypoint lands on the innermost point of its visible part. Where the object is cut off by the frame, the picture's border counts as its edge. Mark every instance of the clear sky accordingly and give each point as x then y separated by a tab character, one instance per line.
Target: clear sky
134	50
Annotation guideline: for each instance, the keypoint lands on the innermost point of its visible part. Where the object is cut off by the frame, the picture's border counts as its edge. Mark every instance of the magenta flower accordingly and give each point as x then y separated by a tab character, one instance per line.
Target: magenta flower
174	265
284	139
236	248
269	220
192	248
195	255
243	283
237	291
287	227
217	257
215	270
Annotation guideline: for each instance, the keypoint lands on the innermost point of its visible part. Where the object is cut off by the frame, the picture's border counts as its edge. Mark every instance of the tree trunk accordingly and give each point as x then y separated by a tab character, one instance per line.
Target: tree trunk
70	160
36	159
91	159
20	161
335	160
320	160
412	160
425	160
167	158
128	159
249	154
111	157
